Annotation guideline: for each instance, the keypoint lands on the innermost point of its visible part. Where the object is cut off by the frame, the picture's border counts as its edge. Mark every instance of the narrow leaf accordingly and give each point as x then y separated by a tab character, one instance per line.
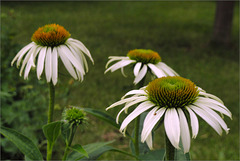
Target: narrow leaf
52	131
24	144
79	149
153	155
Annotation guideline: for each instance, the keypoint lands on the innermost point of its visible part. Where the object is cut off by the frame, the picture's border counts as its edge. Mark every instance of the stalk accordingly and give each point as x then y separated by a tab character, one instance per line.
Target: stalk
169	149
50	117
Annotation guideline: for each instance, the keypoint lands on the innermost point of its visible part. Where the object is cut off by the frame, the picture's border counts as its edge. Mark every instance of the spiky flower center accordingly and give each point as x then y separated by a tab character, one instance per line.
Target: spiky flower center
74	115
172	92
50	35
144	56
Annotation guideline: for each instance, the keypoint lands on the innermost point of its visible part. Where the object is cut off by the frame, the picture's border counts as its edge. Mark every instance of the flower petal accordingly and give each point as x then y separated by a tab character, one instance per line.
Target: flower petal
41	58
194	122
208	118
54	66
158	72
48	64
137	68
139	109
172	126
122	102
169	71
119	65
141	74
149	141
184	130
138	92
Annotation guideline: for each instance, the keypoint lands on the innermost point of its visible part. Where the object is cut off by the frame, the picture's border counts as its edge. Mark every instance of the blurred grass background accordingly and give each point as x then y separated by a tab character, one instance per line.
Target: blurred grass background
179	31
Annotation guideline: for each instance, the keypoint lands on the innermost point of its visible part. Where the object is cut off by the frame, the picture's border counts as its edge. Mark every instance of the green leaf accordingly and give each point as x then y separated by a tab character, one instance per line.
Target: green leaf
52	131
153	155
94	151
65	131
79	149
24	144
102	115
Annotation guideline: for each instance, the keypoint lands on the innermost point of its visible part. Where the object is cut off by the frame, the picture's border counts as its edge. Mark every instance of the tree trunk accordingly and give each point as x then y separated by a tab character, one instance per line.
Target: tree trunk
223	22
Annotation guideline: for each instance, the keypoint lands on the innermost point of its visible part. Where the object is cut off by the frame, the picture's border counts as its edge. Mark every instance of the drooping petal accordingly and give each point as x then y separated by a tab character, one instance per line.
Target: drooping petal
122	102
149	141
67	63
167	69
139	109
159	73
137	68
122	71
48	64
138	92
208	118
21	53
194	122
40	64
184	131
54	66
119	65
30	64
211	96
141	74
140	99
172	126
215	116
150	121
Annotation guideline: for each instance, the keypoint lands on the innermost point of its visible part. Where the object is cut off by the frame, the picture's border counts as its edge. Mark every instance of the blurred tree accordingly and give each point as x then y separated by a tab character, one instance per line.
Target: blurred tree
223	22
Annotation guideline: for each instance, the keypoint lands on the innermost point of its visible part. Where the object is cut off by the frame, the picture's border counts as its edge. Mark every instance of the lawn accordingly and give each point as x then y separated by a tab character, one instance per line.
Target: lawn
179	31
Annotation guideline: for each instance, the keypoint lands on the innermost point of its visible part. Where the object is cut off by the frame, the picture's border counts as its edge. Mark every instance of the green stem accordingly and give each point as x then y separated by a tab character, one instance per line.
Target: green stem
67	149
50	116
137	122
169	149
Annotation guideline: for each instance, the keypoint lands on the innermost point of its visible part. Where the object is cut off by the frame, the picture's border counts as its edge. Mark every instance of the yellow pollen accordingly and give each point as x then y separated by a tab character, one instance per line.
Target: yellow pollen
144	56
50	35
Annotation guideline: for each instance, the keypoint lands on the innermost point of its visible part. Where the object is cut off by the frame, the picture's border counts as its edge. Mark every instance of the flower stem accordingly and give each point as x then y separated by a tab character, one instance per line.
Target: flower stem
73	130
50	117
169	149
137	124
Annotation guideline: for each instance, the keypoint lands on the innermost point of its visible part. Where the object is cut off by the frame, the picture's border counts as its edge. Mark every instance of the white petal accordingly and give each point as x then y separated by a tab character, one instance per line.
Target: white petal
214	107
139	109
140	99
138	92
137	68
40	64
119	65
115	59
141	74
67	63
167	69
194	122
27	57
122	102
172	126
216	117
54	66
214	102
48	64
21	53
149	141
208	118
159	73
211	96
184	130
122	71
30	64
150	121
81	46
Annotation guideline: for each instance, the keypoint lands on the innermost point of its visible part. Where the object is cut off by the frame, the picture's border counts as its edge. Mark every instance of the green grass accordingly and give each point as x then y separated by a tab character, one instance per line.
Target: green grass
179	31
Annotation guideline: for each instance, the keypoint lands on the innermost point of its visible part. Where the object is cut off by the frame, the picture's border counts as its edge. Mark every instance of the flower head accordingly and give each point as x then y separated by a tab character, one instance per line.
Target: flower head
48	43
143	60
170	98
74	116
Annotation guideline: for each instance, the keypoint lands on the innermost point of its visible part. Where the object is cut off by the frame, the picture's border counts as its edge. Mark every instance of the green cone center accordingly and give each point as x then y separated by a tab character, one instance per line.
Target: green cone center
144	56
172	92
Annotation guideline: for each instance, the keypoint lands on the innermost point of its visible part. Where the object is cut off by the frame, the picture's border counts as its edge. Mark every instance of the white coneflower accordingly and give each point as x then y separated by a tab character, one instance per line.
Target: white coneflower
169	98
50	42
143	59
